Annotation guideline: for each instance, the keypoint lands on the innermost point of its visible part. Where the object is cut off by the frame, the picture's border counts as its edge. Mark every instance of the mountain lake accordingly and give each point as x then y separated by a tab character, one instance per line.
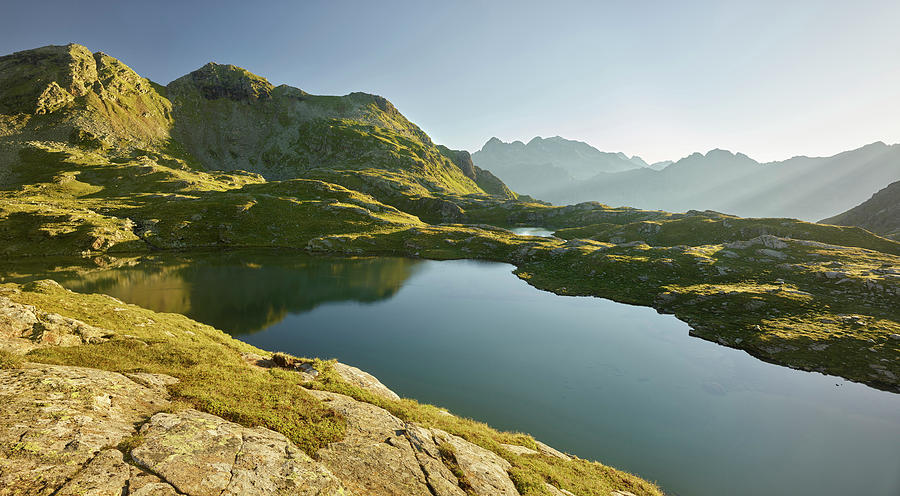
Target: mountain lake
601	380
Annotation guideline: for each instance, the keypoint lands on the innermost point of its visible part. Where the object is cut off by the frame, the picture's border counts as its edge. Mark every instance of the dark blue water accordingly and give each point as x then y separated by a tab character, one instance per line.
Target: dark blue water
603	380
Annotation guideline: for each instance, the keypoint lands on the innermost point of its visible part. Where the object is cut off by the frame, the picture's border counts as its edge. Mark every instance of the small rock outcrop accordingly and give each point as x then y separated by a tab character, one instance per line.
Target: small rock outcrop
58	424
486	473
519	450
550	451
24	327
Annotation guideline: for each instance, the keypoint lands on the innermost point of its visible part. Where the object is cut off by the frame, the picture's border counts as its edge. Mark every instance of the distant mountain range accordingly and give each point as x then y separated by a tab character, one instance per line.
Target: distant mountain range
548	164
879	214
809	188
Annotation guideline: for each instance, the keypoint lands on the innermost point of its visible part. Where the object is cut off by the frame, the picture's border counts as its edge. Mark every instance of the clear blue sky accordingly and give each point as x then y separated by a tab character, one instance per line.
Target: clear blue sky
659	79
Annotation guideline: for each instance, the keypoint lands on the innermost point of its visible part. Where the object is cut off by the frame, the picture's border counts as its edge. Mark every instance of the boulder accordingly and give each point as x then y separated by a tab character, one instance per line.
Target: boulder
364	380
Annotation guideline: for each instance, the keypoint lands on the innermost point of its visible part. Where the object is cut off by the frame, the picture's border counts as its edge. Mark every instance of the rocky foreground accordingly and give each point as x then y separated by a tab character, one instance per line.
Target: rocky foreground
76	430
79	431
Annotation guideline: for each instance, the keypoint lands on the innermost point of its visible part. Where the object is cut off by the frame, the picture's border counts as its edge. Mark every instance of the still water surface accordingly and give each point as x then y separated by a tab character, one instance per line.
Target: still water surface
532	231
603	380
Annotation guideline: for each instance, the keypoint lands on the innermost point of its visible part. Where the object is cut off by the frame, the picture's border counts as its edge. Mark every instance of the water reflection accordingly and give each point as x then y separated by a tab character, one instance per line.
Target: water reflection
239	292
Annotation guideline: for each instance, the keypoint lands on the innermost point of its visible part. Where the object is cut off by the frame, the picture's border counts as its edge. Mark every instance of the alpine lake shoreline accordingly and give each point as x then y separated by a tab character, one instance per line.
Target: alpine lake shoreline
100	166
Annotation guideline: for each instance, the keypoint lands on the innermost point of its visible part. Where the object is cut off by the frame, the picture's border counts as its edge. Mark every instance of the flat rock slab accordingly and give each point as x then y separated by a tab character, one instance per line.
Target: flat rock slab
383	455
204	455
54	419
106	475
555	491
551	451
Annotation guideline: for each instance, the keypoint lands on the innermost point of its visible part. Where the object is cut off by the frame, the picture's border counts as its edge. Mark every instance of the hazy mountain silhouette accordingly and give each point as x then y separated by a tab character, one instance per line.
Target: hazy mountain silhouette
807	188
549	163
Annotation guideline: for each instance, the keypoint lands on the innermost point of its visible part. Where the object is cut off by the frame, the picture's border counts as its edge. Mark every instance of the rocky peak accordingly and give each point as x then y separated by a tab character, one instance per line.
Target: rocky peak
381	102
90	95
215	81
718	152
492	143
43	79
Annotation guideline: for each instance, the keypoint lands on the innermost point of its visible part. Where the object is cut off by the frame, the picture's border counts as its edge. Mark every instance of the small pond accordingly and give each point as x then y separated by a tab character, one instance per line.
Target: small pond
532	231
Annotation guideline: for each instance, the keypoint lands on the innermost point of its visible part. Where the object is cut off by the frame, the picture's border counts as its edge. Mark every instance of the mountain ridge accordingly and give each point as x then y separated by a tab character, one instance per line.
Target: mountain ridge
807	188
580	159
88	97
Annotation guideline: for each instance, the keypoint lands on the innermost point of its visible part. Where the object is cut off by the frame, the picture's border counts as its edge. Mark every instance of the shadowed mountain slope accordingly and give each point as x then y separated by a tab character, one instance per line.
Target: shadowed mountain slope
879	214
